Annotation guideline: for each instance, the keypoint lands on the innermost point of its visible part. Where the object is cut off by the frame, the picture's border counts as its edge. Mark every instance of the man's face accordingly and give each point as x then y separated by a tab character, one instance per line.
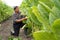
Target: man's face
17	10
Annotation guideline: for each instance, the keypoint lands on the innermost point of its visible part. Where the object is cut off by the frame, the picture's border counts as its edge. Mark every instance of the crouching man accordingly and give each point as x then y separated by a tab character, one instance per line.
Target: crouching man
17	21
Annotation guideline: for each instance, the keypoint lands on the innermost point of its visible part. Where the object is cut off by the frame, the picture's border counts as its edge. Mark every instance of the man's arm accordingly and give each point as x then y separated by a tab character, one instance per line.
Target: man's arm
19	20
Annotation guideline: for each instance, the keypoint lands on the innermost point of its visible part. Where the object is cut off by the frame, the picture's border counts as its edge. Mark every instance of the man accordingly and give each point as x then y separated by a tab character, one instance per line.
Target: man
17	21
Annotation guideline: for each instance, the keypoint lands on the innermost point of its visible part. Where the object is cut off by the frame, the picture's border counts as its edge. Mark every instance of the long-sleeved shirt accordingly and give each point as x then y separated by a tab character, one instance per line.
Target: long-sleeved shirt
17	16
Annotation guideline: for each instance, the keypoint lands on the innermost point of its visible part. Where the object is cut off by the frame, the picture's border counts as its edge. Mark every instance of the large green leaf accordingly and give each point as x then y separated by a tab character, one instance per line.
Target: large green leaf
43	35
40	17
56	28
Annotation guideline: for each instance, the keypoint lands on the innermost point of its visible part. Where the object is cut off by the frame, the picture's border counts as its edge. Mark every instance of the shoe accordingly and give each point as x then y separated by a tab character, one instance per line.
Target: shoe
12	33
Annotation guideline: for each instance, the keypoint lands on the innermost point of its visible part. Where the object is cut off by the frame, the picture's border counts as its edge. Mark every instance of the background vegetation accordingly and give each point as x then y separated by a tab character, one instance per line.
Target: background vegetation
5	11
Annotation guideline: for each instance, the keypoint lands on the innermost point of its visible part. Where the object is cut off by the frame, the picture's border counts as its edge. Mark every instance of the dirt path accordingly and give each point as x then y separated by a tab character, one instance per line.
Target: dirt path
5	30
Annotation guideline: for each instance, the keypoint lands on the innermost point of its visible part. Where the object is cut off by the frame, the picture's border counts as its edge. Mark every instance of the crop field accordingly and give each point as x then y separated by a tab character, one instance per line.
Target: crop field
43	21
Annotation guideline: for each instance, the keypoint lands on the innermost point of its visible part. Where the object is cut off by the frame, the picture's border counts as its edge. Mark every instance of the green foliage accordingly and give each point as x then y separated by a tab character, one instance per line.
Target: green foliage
12	38
32	17
45	12
48	2
56	2
5	11
43	35
55	15
56	28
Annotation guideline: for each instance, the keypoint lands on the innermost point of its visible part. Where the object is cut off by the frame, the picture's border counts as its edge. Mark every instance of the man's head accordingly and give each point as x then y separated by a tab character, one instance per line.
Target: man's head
16	9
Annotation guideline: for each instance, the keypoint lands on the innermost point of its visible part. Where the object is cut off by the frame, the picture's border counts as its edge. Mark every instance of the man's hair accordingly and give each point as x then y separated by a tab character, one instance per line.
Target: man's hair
15	7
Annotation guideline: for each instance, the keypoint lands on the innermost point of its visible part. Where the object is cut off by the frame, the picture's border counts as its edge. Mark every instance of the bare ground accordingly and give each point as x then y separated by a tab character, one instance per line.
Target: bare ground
6	28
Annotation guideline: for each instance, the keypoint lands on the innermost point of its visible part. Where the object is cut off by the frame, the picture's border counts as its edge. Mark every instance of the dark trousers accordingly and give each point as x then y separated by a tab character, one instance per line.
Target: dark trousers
17	27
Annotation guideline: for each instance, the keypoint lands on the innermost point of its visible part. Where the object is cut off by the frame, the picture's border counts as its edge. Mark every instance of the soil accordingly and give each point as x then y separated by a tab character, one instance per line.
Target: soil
5	29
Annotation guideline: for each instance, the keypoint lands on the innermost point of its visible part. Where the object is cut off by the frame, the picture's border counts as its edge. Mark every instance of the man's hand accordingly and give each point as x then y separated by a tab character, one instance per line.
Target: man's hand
25	18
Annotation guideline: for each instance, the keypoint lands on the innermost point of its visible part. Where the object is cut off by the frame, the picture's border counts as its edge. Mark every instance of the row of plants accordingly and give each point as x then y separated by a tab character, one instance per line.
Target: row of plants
43	18
5	11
